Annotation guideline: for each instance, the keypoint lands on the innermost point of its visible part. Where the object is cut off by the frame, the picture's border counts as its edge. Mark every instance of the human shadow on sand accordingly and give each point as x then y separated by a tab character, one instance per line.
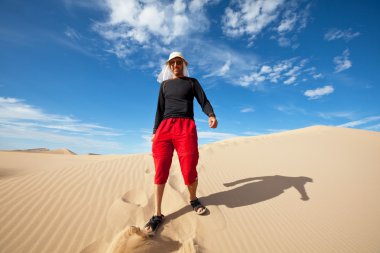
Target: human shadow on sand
255	190
259	189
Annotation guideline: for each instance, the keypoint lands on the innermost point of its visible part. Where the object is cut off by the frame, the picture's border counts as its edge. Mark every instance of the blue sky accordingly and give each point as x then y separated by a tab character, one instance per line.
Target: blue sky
82	74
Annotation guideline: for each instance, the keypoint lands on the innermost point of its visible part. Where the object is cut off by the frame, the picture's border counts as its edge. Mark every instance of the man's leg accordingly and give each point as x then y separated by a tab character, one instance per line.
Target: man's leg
188	166
193	190
162	164
162	149
186	144
197	206
159	194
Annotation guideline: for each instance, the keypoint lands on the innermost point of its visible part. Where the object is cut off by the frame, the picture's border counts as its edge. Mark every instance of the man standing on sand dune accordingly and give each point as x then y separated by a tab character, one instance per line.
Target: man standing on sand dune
175	129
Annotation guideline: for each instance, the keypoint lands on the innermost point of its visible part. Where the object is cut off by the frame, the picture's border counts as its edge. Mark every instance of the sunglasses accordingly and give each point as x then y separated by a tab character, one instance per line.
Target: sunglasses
178	62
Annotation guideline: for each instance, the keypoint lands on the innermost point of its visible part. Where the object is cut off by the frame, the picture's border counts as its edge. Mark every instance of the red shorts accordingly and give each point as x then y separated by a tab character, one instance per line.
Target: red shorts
179	134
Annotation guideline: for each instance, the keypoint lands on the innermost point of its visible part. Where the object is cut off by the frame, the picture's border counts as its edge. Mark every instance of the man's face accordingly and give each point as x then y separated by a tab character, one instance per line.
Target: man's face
176	65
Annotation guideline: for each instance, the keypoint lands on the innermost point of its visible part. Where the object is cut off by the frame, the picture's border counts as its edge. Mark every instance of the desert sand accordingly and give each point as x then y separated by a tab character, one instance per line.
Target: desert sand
308	190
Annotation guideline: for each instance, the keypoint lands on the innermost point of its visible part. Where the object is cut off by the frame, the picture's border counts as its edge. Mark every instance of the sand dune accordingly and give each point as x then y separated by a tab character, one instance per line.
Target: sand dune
307	190
62	151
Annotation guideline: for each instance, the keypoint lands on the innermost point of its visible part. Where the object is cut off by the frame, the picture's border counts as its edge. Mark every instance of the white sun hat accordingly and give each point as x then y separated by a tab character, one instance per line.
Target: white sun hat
174	55
166	72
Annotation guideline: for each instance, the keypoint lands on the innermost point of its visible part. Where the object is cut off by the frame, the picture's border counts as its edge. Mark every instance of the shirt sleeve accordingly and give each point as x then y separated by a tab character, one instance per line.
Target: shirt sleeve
160	108
200	95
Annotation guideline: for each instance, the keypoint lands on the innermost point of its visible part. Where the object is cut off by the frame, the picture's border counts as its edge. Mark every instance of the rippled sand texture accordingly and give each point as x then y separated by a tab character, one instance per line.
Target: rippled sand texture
308	190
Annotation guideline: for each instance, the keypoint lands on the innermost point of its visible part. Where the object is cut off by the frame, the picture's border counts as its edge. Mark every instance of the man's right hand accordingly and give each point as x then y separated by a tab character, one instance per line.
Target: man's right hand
152	137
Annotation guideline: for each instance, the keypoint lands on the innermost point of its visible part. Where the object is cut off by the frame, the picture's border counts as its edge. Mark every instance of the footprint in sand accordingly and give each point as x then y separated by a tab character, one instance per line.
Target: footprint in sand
119	215
137	197
148	159
176	182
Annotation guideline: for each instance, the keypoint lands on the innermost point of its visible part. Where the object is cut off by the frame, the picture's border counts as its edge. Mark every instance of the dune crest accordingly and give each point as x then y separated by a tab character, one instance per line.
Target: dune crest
62	151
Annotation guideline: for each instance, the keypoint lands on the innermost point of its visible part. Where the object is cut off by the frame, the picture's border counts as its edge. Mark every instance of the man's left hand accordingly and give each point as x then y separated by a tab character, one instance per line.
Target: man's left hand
212	122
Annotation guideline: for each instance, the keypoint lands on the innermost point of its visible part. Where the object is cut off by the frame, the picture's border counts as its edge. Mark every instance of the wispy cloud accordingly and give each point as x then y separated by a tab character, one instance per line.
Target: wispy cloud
319	92
252	133
274	131
222	71
285	71
23	121
374	127
214	136
201	120
93	4
145	143
312	71
17	112
247	109
221	61
360	122
333	115
336	34
40	138
31	34
72	33
250	18
294	19
290	109
342	62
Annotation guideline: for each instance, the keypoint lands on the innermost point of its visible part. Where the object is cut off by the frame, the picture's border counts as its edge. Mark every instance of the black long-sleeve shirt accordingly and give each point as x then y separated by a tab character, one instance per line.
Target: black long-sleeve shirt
175	100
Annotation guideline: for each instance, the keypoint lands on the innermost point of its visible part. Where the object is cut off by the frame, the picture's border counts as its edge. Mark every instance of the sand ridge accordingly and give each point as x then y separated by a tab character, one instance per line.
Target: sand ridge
306	190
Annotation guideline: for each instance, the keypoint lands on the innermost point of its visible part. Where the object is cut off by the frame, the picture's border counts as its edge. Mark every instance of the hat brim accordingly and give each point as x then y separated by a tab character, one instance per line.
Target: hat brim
176	56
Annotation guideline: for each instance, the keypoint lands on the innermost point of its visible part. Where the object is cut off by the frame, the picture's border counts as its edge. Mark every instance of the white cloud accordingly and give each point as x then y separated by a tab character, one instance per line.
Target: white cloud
151	25
293	20
360	122
291	80
283	41
336	34
250	17
33	137
286	71
287	23
247	109
319	92
15	109
265	69
342	62
17	112
312	71
20	120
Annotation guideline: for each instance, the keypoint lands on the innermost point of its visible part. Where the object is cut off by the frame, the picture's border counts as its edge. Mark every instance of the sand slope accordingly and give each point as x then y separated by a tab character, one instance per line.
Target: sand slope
308	190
